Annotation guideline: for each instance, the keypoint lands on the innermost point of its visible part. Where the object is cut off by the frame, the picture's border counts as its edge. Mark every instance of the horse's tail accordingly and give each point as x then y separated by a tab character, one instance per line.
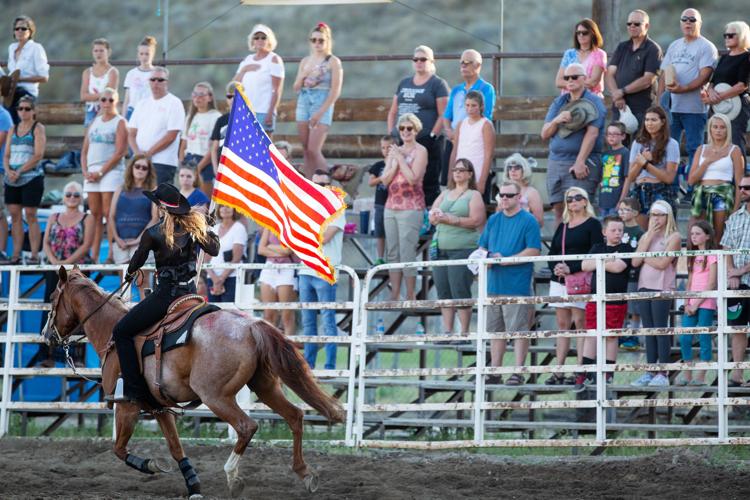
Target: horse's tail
283	359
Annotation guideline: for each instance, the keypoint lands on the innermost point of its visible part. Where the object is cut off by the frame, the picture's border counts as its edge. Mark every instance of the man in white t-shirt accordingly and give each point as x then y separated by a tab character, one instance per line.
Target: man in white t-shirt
315	289
154	128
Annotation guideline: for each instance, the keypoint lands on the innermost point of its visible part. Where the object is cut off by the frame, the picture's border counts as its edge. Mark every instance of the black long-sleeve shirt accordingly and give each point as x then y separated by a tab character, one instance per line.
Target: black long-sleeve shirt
180	256
578	240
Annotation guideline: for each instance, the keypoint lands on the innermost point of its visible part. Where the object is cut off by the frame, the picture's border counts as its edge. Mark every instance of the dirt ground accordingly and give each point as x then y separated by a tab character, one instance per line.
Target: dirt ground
85	469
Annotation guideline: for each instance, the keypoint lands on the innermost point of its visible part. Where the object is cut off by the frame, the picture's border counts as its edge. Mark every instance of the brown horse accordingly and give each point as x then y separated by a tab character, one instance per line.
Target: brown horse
228	350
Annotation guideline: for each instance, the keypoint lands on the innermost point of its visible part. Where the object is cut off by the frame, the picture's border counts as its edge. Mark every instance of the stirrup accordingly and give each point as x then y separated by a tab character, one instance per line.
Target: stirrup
119	395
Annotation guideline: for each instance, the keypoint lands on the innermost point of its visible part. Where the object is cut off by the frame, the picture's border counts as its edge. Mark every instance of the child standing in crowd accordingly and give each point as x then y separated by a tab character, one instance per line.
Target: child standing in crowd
614	170
628	210
96	78
616	281
136	80
699	312
189	182
381	196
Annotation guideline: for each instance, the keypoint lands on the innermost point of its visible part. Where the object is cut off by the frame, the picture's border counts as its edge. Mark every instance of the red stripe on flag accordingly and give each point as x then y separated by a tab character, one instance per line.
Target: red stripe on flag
303	184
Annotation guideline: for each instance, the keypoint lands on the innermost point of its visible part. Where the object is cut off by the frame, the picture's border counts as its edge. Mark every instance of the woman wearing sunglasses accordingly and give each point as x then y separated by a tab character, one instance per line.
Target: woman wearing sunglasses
131	212
67	240
577	233
262	76
587	51
24	179
318	85
196	138
733	69
102	164
95	79
30	59
426	95
404	210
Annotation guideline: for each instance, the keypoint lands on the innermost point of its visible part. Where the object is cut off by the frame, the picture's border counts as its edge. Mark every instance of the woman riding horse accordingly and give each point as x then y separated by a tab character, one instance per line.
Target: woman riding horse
175	241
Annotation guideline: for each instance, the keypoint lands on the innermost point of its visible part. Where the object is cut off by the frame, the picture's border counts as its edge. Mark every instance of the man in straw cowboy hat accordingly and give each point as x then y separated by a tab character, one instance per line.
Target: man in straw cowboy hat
693	58
574	125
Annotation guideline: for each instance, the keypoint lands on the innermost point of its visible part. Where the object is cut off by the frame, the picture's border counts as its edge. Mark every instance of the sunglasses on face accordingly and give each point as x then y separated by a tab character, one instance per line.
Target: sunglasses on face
515	166
259	37
420	59
583	33
74	194
407	128
657	215
106	99
24	108
728	36
575	197
141	166
572	77
689	19
230	96
324	184
633	23
21	28
157	79
467	63
746	187
317	40
507	195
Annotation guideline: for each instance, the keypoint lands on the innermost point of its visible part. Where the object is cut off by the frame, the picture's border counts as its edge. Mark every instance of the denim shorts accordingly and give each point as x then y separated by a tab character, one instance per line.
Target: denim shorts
309	102
648	193
261	118
192	160
379	221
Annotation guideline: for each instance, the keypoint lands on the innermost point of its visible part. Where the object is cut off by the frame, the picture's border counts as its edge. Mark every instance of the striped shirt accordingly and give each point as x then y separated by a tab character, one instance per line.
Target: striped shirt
737	236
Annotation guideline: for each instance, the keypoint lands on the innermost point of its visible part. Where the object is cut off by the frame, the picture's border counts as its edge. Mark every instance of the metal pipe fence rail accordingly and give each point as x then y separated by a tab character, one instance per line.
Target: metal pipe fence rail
359	378
244	301
601	404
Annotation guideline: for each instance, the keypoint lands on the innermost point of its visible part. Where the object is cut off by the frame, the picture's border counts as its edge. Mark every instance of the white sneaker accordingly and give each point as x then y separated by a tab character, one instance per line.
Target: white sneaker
659	381
643	381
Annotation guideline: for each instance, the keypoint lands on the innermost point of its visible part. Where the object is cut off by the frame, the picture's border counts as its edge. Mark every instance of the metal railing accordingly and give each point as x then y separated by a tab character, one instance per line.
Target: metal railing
359	377
479	407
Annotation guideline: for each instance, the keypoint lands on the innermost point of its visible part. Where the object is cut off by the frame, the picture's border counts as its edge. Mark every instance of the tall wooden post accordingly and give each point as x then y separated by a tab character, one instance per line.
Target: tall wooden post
606	13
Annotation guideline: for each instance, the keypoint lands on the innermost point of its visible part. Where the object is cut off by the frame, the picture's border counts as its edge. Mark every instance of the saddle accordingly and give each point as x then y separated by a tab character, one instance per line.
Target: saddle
171	332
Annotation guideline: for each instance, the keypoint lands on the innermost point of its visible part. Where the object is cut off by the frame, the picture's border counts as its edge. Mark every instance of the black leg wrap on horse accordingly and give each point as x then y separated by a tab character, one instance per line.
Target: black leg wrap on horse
138	463
191	477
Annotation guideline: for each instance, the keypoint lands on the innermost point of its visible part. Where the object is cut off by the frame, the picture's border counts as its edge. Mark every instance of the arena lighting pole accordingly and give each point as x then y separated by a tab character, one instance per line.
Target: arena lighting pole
165	29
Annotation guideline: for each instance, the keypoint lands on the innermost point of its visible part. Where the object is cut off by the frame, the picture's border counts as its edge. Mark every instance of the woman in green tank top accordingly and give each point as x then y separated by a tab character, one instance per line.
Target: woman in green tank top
459	216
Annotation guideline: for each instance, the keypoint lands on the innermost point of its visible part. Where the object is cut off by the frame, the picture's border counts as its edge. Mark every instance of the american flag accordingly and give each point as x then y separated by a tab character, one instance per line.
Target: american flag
255	179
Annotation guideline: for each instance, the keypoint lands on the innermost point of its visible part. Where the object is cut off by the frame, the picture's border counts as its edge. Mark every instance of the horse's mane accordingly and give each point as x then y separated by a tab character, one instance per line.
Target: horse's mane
91	291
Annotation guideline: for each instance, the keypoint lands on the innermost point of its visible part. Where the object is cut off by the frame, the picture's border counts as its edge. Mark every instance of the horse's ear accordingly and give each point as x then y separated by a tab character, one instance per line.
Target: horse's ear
75	267
62	274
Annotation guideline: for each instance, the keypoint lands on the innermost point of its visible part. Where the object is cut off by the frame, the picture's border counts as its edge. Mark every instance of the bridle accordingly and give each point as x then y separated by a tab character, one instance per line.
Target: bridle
78	330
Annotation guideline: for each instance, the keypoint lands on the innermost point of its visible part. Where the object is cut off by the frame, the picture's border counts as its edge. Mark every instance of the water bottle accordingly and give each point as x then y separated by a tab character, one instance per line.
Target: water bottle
419	331
380	327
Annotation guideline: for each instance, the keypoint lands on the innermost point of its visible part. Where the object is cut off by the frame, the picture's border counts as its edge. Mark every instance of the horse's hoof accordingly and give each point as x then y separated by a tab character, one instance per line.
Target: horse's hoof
155	465
311	482
236	486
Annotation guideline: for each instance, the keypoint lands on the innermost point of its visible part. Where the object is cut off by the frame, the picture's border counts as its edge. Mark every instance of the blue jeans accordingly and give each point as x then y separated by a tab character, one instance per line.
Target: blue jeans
165	173
314	289
694	125
703	317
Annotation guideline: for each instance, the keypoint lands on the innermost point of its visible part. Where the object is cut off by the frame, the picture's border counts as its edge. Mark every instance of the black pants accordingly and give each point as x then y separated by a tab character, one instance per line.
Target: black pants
148	312
431	182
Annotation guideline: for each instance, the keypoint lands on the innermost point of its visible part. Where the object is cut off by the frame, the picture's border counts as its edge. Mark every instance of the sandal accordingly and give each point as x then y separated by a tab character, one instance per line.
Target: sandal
555	379
13	261
515	379
494	379
734	383
569	380
33	261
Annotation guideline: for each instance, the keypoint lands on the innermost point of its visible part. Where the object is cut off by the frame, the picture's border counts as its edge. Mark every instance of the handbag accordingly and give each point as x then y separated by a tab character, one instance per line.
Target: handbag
576	283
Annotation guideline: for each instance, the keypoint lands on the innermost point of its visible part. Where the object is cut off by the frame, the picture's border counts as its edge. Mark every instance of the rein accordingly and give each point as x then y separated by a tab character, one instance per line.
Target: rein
65	343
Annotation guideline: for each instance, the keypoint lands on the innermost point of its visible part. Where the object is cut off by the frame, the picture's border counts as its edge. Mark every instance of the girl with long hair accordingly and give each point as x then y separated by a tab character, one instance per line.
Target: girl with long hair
175	241
653	163
318	85
196	138
658	274
699	312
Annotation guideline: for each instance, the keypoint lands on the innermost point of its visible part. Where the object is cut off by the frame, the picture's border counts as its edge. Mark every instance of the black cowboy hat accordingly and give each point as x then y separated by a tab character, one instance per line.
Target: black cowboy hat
169	197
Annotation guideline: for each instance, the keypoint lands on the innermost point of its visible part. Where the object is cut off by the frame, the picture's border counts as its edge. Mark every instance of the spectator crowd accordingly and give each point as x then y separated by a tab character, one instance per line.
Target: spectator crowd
614	185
